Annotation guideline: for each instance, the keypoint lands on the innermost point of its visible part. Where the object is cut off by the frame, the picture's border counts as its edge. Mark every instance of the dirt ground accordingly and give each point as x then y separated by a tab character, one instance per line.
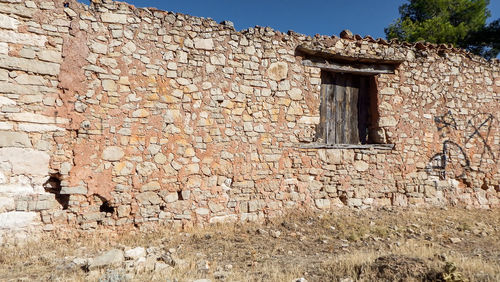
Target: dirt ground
344	245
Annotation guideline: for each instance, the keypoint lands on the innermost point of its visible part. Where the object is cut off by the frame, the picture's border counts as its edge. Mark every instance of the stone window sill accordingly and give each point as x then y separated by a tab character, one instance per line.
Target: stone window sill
347	146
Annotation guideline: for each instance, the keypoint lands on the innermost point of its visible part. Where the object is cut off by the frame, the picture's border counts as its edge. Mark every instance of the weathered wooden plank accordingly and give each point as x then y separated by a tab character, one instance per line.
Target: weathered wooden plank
325	87
331	113
340	83
361	69
330	124
336	109
364	109
348	146
347	110
353	117
348	128
363	58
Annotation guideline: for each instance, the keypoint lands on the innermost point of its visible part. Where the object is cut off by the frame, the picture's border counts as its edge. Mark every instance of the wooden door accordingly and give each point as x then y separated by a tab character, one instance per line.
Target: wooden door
344	108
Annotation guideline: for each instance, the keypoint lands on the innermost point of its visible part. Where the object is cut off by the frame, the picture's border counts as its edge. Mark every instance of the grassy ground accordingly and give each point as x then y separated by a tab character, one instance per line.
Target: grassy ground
392	245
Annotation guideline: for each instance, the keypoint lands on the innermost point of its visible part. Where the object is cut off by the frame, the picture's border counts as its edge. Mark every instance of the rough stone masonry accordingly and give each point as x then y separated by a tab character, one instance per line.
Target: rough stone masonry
112	115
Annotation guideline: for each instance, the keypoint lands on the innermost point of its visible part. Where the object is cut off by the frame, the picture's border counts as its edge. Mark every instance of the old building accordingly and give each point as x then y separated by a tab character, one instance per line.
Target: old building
112	115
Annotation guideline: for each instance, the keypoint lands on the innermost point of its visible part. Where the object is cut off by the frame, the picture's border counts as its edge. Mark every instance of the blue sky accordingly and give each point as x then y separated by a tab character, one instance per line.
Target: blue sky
364	17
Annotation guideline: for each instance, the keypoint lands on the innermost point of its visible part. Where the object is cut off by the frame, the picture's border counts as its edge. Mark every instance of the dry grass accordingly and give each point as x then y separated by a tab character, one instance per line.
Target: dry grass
331	246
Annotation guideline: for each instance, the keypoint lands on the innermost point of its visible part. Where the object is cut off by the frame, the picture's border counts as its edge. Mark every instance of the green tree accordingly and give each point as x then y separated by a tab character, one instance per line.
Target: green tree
459	22
486	41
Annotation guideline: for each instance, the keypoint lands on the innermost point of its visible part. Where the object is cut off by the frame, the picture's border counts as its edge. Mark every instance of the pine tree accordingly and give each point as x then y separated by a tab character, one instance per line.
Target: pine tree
459	22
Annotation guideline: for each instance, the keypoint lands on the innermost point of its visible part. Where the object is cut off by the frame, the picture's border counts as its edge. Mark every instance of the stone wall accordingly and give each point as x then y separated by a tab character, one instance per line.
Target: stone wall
32	128
112	115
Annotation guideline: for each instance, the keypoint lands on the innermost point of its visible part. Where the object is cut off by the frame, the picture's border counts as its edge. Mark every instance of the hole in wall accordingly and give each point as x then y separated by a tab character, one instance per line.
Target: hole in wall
53	186
66	5
179	196
484	186
103	204
343	199
106	207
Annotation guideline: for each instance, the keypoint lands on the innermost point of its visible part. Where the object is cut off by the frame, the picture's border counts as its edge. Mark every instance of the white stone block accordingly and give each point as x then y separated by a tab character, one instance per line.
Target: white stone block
309	120
22	38
16	189
30	4
17	220
295	94
278	71
4	101
361	166
7	22
112	153
203	44
4	48
248	90
4	75
10	88
7	204
14	139
224	218
50	56
114	18
109	85
26	79
171	197
36	118
129	48
202	211
331	156
28	65
388	122
354	202
219	59
31	127
70	13
135	253
322	204
388	91
99	48
26	161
